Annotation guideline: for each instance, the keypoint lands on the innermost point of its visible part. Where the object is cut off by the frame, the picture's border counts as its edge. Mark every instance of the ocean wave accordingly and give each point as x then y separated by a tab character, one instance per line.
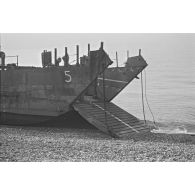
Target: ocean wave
172	127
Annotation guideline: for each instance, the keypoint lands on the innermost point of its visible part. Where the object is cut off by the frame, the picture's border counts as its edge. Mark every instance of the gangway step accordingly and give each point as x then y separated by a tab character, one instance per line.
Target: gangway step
110	118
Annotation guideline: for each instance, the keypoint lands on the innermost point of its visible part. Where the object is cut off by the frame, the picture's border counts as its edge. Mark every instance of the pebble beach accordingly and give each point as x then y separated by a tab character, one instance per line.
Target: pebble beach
38	144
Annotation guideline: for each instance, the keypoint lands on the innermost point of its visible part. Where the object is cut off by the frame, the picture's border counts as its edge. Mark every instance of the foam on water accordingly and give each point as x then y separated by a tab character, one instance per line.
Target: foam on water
169	130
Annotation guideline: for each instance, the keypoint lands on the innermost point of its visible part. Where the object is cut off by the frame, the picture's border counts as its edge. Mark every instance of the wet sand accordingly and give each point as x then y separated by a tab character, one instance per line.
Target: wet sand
66	144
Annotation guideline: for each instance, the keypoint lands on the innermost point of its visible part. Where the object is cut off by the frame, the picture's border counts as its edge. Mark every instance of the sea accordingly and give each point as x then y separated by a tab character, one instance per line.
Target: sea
169	79
169	86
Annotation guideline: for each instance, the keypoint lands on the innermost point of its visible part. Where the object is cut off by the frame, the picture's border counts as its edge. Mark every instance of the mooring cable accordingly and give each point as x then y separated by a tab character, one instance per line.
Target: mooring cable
147	99
105	107
143	98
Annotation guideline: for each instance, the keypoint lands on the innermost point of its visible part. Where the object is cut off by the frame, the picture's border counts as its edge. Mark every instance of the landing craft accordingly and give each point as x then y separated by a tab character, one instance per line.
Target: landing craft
31	95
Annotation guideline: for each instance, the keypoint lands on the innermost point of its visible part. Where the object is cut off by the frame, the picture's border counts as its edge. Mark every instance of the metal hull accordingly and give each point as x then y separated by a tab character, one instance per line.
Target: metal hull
70	119
22	119
31	95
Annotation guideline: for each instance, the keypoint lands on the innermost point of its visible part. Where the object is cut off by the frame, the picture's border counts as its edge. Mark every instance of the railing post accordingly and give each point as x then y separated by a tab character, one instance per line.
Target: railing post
55	56
88	49
102	46
77	55
116	59
139	52
17	60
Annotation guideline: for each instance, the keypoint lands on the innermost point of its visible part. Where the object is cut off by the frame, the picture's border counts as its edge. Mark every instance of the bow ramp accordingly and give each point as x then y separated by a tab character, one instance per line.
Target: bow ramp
110	119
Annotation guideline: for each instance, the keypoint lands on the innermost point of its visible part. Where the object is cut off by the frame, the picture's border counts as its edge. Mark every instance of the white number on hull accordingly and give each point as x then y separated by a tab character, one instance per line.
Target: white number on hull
67	74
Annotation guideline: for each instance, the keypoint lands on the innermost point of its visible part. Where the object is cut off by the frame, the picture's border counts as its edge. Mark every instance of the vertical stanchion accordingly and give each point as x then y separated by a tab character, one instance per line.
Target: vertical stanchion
88	49
139	52
89	63
116	59
17	60
55	56
66	50
0	41
77	55
102	45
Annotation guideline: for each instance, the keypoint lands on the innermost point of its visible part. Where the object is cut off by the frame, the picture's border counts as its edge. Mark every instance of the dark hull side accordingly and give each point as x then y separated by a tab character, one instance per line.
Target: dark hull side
70	119
7	118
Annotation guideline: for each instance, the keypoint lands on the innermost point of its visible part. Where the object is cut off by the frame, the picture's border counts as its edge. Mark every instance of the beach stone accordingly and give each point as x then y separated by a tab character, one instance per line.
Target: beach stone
89	145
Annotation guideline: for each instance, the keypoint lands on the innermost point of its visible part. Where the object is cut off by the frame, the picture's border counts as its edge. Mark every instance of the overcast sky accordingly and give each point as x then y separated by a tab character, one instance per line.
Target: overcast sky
29	46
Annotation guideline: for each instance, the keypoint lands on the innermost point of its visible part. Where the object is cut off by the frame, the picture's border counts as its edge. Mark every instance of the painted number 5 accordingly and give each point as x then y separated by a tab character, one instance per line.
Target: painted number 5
68	76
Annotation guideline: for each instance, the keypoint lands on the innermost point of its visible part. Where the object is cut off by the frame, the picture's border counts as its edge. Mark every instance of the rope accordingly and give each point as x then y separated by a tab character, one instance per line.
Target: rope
105	113
147	99
143	98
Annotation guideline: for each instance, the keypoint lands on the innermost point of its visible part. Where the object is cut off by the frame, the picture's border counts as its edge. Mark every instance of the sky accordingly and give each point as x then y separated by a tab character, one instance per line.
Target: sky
30	45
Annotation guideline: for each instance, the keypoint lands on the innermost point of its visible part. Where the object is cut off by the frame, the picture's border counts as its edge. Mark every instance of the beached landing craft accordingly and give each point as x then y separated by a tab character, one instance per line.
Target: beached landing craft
32	95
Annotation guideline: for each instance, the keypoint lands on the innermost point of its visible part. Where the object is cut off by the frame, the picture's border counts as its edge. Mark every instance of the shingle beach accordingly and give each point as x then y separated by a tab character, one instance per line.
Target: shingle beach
90	145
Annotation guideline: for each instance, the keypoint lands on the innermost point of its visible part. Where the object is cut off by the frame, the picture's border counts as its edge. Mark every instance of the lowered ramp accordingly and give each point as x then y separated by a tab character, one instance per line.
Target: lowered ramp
110	118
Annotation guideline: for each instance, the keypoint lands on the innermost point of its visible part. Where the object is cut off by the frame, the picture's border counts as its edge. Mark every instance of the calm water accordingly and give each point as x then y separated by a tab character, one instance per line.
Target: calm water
170	91
170	74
